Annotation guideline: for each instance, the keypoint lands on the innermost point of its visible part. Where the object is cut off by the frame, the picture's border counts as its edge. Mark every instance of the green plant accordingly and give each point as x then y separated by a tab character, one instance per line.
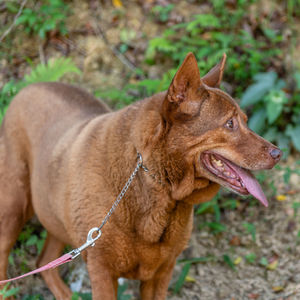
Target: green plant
250	228
288	171
186	267
45	16
250	258
52	71
196	260
228	261
88	296
264	262
296	207
5	292
31	237
215	206
181	279
271	104
33	297
80	296
121	292
9	90
162	12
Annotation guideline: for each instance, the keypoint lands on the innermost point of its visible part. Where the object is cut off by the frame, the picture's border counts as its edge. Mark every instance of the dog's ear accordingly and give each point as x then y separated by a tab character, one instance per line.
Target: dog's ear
182	99
214	77
186	78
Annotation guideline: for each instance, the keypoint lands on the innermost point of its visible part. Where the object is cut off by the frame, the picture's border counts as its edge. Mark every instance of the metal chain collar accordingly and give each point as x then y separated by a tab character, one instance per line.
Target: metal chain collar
90	241
124	190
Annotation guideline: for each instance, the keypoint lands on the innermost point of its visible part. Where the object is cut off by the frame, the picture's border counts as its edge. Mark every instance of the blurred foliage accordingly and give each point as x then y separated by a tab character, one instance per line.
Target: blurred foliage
162	13
7	293
43	17
208	36
273	105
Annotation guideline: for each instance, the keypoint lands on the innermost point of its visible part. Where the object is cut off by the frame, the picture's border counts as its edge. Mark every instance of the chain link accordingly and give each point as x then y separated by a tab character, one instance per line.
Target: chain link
90	241
124	190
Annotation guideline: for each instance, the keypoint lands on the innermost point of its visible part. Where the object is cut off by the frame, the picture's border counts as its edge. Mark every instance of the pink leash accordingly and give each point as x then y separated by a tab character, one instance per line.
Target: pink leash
90	241
53	264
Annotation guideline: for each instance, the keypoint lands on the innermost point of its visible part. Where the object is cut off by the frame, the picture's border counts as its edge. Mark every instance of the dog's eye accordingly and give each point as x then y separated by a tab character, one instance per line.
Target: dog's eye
231	124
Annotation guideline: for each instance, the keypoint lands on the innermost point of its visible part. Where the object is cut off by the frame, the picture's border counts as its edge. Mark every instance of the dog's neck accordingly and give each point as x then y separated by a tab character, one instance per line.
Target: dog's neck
148	134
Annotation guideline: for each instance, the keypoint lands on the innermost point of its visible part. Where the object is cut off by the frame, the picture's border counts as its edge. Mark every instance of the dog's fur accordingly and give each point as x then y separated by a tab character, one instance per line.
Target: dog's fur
65	156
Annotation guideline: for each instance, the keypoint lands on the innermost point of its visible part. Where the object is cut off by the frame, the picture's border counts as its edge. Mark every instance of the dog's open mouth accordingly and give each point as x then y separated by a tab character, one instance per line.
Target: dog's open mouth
233	176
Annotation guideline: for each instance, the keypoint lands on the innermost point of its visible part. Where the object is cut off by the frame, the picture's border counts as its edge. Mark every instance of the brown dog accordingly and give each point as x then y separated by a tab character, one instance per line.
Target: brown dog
65	157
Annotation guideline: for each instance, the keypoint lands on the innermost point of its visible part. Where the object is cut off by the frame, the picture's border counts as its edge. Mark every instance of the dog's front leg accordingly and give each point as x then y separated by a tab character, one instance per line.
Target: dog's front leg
156	288
104	286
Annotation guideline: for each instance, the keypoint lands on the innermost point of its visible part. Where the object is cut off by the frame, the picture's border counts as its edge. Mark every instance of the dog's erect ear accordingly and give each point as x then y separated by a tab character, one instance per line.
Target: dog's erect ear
183	97
214	77
185	80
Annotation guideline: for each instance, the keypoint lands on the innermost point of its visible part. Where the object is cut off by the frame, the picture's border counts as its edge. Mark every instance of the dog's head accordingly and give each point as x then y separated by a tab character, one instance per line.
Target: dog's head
208	131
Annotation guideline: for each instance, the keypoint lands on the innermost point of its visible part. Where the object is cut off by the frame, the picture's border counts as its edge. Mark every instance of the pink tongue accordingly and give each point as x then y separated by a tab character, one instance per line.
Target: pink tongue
251	184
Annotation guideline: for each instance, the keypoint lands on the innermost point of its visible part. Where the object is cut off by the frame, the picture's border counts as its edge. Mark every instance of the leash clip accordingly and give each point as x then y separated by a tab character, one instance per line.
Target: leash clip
140	162
90	242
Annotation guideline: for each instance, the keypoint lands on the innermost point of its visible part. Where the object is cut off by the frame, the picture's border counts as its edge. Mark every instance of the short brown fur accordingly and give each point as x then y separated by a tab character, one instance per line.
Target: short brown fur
65	156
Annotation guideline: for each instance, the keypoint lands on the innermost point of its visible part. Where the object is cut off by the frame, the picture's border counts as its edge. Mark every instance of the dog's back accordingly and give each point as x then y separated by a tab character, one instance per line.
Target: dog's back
52	107
46	104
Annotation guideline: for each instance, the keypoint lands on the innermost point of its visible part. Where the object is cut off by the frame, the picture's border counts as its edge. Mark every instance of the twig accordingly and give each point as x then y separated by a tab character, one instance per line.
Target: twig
14	22
122	58
115	51
42	54
2	7
72	44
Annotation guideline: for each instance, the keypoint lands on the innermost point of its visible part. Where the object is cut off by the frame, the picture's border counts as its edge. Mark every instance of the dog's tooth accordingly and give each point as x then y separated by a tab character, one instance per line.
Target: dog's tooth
226	173
219	163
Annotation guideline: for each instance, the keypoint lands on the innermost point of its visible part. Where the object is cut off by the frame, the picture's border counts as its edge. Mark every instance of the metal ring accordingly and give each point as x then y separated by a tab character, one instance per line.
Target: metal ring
140	159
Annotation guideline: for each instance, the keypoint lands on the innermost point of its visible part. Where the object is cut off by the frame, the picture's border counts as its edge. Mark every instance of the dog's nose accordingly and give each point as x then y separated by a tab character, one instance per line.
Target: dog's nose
275	153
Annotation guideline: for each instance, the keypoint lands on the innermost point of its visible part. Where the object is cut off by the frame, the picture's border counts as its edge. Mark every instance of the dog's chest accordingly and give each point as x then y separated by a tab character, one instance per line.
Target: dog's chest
154	244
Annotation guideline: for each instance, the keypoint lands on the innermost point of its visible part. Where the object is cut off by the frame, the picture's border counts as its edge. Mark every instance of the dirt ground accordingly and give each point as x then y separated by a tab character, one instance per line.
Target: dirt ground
276	227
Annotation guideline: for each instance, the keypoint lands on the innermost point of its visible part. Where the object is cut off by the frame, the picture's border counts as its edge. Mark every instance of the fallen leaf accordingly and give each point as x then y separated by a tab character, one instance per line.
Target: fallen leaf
253	296
273	265
275	256
278	288
237	260
235	241
263	261
292	192
117	3
281	197
190	279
